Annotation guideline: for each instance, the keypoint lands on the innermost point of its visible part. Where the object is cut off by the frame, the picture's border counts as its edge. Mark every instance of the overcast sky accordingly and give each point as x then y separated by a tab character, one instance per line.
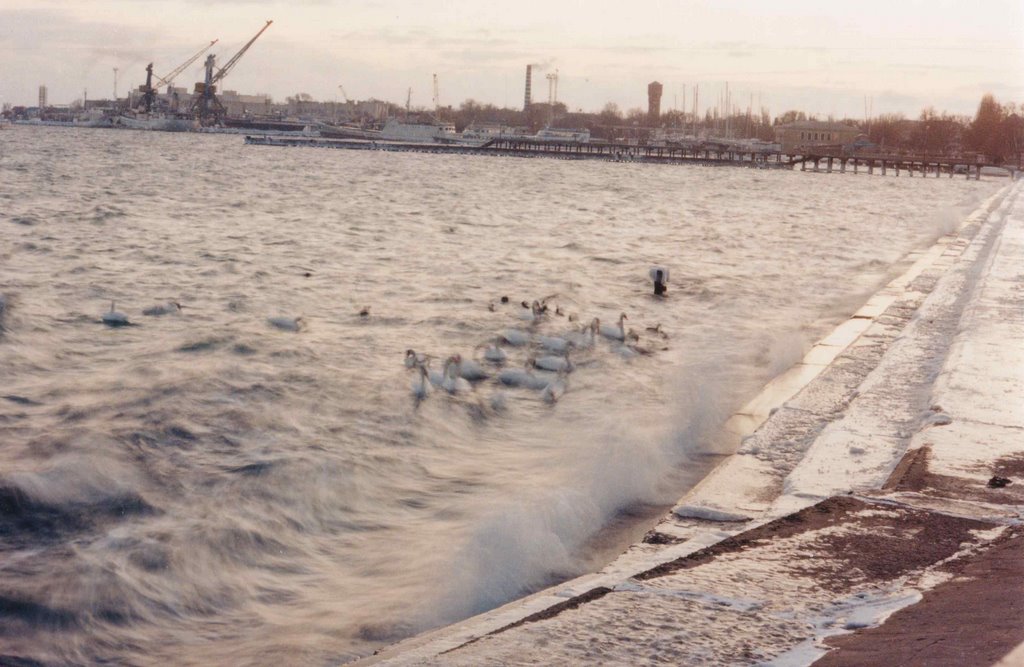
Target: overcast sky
820	56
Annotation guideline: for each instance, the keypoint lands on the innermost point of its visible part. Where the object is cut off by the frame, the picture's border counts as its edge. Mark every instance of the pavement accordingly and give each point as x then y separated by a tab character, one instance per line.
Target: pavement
873	513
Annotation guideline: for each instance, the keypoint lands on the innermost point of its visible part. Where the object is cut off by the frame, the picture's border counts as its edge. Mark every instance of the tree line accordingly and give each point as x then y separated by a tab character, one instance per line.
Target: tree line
996	130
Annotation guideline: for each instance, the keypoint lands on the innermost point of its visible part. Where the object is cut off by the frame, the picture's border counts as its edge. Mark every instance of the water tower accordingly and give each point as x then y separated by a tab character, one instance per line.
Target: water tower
653	102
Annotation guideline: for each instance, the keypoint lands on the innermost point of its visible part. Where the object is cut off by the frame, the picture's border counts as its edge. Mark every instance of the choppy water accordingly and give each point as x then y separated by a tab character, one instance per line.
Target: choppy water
204	487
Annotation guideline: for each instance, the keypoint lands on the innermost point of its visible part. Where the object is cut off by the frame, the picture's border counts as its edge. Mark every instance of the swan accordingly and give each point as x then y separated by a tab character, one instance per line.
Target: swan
113	318
414	359
584	339
163	308
515	337
555	363
615	333
494	354
285	323
522	377
555	389
436	377
451	382
418	360
553	343
421	385
470	369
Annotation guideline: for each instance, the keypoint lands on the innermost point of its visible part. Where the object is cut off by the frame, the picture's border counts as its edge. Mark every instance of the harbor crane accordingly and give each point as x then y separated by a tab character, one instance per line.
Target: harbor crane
149	89
206	106
168	78
344	94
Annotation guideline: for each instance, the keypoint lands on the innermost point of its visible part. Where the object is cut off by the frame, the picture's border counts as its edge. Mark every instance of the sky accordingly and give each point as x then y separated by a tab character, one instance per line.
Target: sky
822	57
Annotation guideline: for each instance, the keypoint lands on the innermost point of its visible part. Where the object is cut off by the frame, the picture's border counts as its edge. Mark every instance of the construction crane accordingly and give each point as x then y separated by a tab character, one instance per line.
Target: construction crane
167	79
149	89
206	106
344	94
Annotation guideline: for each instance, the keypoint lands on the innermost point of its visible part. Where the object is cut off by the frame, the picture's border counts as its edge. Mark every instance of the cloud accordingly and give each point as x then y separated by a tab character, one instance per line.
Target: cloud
57	30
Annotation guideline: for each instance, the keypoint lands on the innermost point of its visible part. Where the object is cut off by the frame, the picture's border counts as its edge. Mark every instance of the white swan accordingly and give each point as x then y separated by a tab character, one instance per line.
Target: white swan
163	309
555	389
516	337
585	338
451	382
522	377
615	333
114	318
494	354
414	359
285	323
421	385
553	343
436	377
555	363
470	370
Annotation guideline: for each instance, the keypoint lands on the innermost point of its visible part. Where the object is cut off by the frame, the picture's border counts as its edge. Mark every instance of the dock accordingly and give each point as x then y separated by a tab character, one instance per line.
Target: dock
705	153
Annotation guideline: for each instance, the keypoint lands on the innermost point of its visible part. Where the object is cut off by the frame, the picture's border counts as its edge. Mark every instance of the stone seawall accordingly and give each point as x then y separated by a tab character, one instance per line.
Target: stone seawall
875	500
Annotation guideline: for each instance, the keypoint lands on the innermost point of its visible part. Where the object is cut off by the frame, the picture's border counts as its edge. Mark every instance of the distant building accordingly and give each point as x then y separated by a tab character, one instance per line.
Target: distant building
239	106
372	108
806	133
42	97
653	102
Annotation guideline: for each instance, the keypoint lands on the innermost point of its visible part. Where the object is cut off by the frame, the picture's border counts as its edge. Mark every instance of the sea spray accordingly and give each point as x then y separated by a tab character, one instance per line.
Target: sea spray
538	539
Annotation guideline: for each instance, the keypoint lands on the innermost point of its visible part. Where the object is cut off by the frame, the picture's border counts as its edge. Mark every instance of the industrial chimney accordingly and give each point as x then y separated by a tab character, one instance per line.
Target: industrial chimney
527	99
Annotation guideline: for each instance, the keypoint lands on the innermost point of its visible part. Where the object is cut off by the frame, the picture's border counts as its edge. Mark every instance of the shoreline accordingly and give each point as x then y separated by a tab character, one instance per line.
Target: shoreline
824	450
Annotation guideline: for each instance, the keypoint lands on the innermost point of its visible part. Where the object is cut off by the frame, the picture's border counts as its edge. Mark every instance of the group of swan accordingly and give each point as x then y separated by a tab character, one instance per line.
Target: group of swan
116	318
546	367
453	378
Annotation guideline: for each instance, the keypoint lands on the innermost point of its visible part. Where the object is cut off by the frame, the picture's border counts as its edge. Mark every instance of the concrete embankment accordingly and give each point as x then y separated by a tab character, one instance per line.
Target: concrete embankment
873	512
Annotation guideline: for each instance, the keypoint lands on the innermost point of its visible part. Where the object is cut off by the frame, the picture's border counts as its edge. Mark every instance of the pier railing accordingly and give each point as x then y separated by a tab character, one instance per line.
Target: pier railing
923	164
695	152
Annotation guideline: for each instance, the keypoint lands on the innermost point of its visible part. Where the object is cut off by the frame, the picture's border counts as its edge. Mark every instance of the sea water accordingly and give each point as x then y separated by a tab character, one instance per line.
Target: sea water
203	487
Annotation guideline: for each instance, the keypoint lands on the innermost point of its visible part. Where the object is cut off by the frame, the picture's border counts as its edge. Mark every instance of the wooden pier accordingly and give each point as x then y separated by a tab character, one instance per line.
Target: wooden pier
709	153
706	154
923	165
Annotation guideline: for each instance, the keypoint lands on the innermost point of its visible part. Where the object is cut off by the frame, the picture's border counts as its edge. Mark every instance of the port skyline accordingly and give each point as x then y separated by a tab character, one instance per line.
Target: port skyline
827	62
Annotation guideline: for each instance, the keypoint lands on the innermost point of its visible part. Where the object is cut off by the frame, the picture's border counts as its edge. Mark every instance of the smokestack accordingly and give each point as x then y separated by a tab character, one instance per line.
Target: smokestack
526	99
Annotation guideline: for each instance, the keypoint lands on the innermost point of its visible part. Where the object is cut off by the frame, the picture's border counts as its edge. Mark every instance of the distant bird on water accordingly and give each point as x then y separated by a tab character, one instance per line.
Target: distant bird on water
285	323
163	308
114	318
